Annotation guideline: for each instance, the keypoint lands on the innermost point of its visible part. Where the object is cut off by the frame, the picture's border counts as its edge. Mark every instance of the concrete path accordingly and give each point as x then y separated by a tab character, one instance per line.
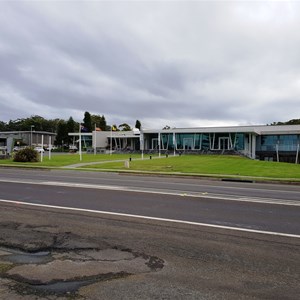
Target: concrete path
83	164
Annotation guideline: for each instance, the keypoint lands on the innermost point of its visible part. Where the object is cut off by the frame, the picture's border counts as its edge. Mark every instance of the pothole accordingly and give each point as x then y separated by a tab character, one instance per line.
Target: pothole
62	288
21	257
64	271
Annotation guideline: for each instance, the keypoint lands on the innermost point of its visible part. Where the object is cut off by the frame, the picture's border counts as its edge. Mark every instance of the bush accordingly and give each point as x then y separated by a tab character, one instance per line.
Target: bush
26	155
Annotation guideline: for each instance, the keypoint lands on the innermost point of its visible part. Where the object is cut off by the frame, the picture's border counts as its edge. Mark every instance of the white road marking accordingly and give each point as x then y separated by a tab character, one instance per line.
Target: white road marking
161	192
152	218
136	179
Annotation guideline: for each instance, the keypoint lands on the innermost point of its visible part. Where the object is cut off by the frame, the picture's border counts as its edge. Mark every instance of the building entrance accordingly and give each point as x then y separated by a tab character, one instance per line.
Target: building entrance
224	143
188	144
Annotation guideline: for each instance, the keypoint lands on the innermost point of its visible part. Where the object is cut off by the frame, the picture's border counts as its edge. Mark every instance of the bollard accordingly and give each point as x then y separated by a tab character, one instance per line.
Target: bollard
150	157
129	158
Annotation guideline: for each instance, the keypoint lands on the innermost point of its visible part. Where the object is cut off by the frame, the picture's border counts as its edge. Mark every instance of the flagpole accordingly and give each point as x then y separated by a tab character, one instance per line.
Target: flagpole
50	147
95	144
142	142
111	139
80	154
42	152
174	143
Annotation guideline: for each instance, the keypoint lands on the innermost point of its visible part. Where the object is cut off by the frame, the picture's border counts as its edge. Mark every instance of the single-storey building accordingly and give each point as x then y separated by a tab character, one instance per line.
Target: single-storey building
10	139
266	142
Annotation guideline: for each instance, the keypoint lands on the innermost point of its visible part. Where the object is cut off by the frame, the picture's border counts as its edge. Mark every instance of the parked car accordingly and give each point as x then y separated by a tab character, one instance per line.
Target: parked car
73	147
51	148
39	149
17	148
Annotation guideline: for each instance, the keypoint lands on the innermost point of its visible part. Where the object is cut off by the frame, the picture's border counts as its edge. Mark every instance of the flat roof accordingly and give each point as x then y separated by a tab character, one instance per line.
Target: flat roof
258	129
28	131
255	129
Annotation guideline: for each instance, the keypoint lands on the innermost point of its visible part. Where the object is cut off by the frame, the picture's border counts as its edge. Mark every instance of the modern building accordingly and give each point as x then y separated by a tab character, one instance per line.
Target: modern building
274	143
10	139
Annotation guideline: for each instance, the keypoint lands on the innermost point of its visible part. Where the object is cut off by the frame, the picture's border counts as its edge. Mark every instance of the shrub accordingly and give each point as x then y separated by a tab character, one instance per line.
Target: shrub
26	155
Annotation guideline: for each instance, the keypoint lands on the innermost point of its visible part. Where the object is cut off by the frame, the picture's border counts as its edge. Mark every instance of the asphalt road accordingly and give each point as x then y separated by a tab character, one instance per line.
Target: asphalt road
239	214
251	253
286	192
262	207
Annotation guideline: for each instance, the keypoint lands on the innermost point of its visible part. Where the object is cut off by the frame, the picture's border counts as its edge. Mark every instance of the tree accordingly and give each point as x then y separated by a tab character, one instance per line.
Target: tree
40	124
138	125
2	126
87	122
71	127
99	121
62	136
103	124
290	122
125	127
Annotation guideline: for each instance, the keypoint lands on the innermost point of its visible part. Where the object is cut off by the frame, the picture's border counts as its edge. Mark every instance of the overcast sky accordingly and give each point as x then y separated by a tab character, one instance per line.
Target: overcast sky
176	63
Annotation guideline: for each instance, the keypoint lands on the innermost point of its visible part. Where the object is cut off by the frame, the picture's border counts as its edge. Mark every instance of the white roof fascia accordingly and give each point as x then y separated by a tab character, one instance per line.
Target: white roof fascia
206	130
257	129
27	132
82	133
281	129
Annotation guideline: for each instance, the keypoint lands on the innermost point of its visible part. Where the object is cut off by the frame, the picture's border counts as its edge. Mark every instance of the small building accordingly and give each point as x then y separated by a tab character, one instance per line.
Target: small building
11	139
108	140
264	142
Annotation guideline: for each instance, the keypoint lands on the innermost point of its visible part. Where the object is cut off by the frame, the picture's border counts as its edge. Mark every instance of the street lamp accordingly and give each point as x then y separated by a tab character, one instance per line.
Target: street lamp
31	126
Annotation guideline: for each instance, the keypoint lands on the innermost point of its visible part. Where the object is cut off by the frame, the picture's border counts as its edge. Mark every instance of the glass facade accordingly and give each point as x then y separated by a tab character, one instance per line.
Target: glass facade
197	141
221	141
86	141
286	142
167	141
210	141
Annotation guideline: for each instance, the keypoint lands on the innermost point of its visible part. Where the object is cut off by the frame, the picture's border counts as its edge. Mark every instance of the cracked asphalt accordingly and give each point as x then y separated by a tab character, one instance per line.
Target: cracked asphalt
46	254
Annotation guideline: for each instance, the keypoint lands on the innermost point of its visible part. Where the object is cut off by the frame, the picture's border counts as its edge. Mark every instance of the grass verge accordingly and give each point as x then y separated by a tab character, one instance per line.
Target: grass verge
210	165
62	160
202	165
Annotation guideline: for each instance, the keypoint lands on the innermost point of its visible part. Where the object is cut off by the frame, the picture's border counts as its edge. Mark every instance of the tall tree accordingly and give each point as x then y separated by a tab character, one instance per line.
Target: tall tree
99	121
103	124
2	126
71	127
62	136
138	125
39	123
87	122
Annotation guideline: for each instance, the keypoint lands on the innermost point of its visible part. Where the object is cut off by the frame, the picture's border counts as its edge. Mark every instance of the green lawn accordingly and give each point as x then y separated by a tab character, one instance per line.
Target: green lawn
62	160
208	165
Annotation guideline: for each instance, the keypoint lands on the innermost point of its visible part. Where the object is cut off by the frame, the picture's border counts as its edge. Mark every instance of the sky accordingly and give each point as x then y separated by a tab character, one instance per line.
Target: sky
175	63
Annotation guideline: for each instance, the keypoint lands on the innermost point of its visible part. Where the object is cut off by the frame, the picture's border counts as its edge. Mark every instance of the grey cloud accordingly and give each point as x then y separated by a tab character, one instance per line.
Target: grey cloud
185	62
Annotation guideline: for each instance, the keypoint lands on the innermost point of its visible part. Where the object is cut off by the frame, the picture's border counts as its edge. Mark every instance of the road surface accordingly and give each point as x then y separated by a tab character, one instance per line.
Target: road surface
199	239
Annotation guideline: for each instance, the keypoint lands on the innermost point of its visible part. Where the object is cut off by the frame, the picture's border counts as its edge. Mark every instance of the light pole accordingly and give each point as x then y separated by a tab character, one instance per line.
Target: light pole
31	126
